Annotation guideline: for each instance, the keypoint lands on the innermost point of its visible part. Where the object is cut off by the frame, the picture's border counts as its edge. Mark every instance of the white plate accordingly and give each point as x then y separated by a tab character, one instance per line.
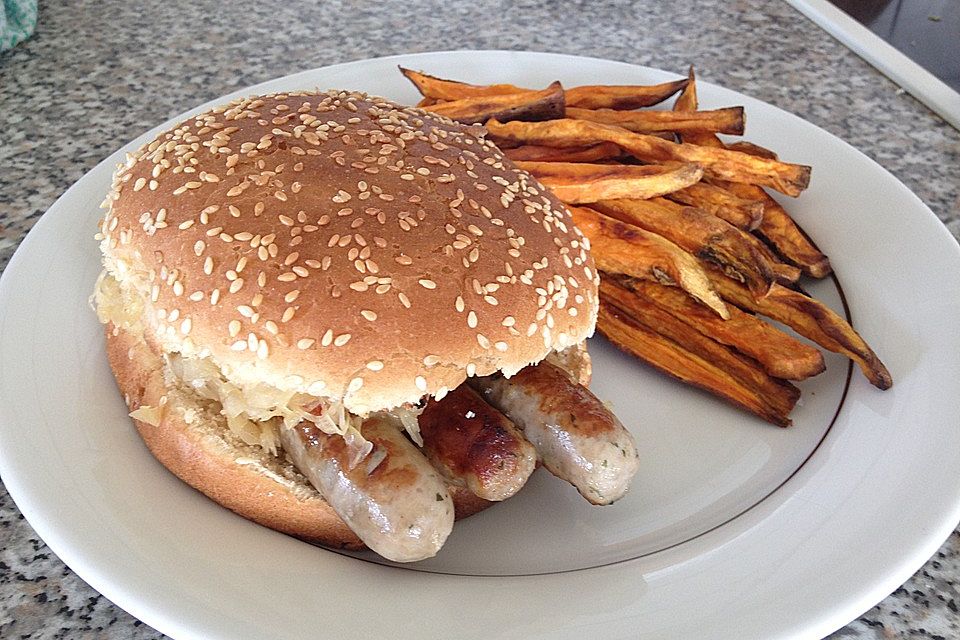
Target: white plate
734	528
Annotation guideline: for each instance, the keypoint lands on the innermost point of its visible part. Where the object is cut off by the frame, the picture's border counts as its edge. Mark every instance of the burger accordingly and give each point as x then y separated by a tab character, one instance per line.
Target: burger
352	321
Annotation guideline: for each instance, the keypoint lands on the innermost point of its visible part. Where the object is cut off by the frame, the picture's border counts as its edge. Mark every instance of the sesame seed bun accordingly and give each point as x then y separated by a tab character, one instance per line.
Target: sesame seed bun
193	441
339	245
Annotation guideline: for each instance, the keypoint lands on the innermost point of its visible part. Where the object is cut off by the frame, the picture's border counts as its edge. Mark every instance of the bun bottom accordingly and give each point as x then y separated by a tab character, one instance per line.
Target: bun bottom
193	442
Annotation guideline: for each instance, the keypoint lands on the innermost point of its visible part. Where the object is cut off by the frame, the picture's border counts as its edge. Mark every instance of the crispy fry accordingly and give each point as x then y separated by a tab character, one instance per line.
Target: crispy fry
608	96
440	89
811	319
740	212
592	153
752	149
577	183
623	248
783	233
687	100
669	357
587	97
705	236
787	178
529	105
779	394
729	120
781	355
776	227
786	273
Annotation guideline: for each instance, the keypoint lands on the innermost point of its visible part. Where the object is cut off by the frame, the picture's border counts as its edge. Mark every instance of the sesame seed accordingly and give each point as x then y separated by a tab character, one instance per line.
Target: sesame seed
234	328
288	314
342	339
404	300
355	384
421	383
369	315
472	320
375	365
427	283
305	343
431	360
327	338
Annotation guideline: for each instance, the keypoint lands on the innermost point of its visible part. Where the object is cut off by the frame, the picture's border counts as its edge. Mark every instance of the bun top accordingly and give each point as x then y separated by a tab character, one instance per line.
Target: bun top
343	246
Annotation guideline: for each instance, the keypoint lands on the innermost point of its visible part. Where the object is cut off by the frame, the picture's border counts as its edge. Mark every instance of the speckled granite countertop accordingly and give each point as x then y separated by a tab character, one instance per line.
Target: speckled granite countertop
99	72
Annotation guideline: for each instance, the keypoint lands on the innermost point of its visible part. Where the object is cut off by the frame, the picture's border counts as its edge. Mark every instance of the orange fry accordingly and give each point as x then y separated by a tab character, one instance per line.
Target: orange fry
623	248
740	212
577	183
591	153
587	97
811	319
660	352
729	120
440	89
790	179
707	237
780	354
529	105
781	395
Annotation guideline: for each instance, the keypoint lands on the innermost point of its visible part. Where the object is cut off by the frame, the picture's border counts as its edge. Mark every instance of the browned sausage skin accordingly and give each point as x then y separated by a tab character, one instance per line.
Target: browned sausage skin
393	499
576	437
476	446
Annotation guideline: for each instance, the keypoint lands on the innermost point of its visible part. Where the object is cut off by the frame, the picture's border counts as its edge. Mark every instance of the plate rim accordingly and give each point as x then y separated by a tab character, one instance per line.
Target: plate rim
908	564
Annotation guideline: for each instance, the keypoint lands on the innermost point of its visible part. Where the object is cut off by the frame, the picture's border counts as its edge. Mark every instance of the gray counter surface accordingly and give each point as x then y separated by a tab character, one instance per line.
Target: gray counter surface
98	73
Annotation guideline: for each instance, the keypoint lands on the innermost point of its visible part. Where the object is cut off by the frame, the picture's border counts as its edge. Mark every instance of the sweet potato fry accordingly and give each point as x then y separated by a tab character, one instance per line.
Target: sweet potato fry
705	236
811	319
669	357
785	235
578	183
780	355
729	120
591	153
786	273
687	100
529	105
440	89
587	97
776	227
779	394
752	149
609	96
740	212
623	248
787	178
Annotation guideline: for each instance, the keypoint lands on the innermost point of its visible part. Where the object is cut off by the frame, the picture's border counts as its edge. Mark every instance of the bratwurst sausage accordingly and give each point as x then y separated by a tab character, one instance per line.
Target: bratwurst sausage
393	499
476	446
577	438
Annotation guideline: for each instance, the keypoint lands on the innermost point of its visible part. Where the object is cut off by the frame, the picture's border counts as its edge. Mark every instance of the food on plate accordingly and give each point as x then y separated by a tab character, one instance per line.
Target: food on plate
728	120
579	182
290	280
574	434
704	236
811	319
590	153
475	446
790	179
624	248
742	213
528	105
686	256
586	97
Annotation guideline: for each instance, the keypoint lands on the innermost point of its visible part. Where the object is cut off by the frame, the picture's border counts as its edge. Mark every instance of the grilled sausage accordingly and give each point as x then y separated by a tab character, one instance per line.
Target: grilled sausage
577	438
476	446
393	499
